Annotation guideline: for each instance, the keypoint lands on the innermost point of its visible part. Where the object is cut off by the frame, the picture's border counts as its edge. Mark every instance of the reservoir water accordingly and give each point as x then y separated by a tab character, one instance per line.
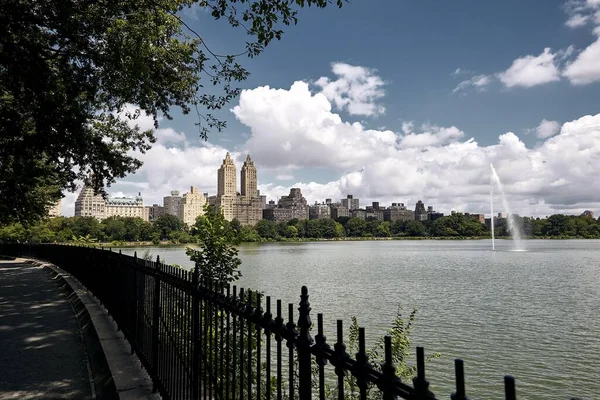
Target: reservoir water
533	314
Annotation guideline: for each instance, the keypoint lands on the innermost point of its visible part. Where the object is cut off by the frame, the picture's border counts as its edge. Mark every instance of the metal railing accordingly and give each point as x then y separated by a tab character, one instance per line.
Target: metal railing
198	340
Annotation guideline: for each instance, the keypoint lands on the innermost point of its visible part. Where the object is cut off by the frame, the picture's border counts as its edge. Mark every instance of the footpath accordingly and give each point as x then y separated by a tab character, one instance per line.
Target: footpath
45	350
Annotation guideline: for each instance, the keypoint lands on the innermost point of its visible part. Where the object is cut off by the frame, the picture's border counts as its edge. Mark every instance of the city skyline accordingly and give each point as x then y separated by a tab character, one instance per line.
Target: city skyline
398	121
234	157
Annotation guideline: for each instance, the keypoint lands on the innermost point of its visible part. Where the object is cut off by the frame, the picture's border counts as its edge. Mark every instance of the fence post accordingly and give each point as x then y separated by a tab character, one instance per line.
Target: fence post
509	388
155	324
305	342
195	334
420	383
460	381
134	319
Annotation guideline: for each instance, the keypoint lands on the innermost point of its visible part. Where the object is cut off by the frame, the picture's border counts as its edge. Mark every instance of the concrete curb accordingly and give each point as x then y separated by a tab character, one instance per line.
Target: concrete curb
116	374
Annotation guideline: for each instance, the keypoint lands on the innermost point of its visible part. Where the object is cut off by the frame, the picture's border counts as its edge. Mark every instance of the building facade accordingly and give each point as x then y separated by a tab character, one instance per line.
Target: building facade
171	203
226	180
56	209
155	211
278	214
397	214
248	210
319	211
350	202
126	207
420	212
248	179
191	206
245	206
339	211
295	202
89	204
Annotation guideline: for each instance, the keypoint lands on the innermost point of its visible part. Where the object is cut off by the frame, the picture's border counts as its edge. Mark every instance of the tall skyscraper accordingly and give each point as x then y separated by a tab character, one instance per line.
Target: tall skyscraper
246	206
226	182
248	179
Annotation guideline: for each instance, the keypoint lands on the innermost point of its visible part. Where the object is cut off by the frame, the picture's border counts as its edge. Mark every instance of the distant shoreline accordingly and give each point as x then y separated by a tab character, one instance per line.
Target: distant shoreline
341	239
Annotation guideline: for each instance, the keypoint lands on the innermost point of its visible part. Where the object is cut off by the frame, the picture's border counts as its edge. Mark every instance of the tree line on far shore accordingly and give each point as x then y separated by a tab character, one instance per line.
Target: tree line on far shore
171	229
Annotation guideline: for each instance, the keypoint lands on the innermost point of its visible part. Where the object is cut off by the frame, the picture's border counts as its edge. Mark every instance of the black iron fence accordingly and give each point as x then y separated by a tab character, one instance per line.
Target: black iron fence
201	341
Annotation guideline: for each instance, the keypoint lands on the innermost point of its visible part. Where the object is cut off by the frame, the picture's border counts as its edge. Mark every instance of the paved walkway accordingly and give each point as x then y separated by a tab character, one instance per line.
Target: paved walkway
42	355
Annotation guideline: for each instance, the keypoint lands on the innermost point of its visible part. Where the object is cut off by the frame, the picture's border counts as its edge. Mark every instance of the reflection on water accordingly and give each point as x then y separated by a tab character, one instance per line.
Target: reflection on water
532	314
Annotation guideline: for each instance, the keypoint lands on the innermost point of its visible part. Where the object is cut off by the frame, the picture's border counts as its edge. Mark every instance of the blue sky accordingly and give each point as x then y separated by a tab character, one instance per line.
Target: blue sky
526	67
416	46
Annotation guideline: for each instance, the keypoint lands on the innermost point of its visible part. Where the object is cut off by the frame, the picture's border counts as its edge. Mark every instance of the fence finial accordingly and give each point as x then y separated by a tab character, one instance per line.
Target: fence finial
304	322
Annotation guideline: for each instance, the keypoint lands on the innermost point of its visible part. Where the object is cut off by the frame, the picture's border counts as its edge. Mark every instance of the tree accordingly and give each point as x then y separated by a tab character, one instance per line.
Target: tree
69	68
267	229
356	227
84	226
383	230
217	259
114	228
166	224
415	228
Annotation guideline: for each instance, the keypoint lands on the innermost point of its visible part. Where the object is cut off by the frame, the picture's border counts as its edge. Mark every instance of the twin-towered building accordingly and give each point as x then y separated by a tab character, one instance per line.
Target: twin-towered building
246	205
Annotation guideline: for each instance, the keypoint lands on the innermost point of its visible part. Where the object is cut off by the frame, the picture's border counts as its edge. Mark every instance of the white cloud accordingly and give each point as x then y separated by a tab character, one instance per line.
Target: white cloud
296	128
531	70
284	177
407	126
355	90
460	71
438	164
478	81
577	20
586	67
431	136
547	129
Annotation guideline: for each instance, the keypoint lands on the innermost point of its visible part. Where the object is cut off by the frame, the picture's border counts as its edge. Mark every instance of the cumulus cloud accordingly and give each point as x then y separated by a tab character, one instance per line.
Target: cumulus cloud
586	67
547	128
297	128
355	90
478	81
441	165
430	136
531	70
577	20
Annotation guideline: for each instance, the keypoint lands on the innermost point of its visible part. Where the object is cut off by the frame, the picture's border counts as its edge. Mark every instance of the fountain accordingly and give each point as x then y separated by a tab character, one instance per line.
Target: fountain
512	225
